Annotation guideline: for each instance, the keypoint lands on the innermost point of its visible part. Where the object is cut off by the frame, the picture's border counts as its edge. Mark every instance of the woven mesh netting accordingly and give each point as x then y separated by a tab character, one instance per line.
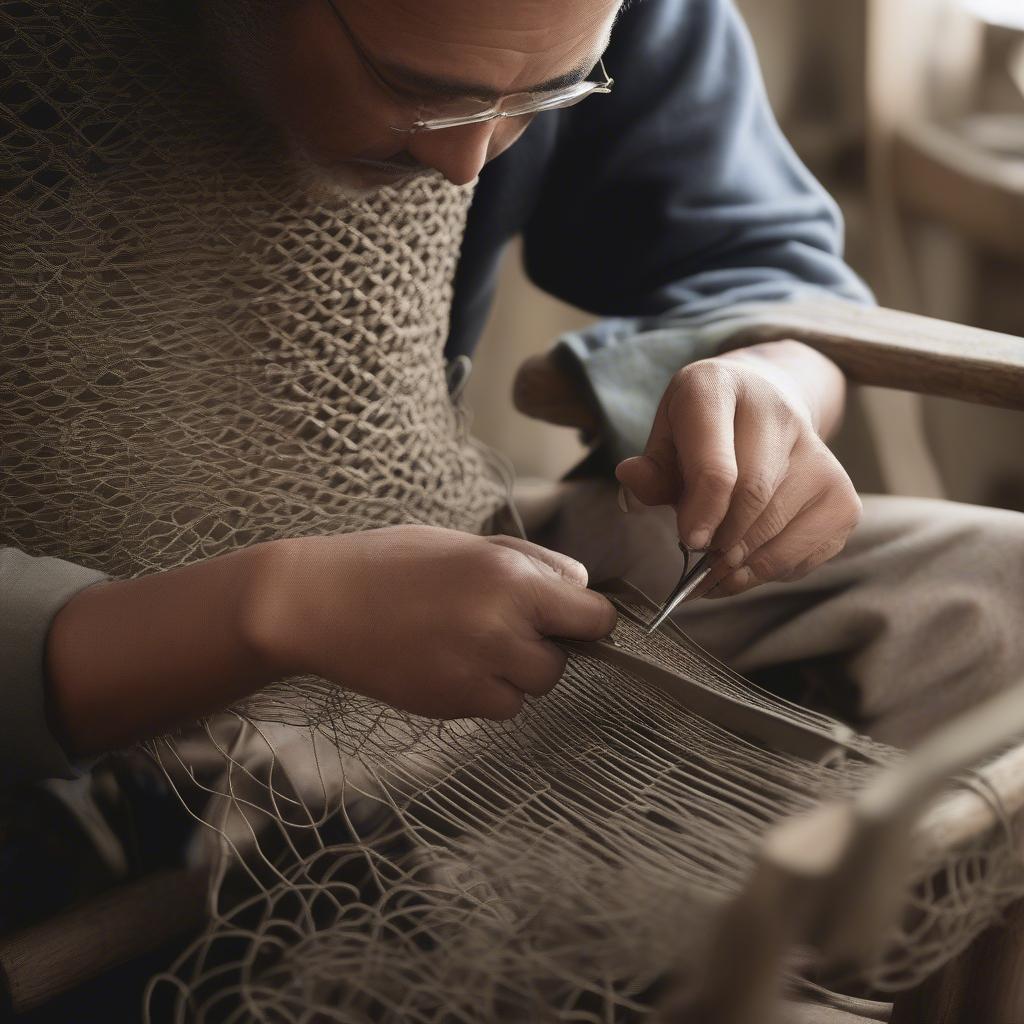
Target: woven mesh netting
205	345
562	866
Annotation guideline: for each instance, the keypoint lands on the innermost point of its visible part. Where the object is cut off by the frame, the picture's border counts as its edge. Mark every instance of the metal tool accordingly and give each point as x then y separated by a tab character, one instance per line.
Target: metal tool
697	566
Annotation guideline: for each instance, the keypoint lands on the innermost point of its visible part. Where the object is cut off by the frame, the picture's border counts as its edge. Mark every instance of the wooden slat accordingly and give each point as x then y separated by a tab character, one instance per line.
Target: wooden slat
872	346
900	350
965	815
42	962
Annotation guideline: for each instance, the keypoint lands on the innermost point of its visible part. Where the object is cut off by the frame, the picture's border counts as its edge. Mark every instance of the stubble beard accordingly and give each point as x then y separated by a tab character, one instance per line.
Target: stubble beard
240	34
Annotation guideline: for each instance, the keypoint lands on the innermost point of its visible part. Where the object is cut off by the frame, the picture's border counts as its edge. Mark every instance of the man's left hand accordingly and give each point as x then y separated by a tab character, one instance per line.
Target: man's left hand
737	448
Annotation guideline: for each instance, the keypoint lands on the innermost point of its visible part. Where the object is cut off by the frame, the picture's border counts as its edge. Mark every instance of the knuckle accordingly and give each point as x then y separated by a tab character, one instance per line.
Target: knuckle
855	508
559	662
504	557
736	583
702	375
772	521
521	583
538	592
769	566
463	677
545	681
754	492
716	477
829	551
845	505
821	463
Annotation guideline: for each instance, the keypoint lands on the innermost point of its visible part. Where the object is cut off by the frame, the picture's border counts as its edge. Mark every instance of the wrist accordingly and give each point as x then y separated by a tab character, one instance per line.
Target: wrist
811	380
266	608
281	616
130	659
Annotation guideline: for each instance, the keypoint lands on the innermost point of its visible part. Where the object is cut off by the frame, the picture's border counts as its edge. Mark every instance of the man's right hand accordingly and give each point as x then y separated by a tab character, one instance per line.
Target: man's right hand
436	622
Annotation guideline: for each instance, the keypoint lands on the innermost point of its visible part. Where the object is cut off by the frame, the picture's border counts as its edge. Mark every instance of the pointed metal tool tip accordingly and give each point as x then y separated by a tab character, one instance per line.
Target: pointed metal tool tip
687	586
658	622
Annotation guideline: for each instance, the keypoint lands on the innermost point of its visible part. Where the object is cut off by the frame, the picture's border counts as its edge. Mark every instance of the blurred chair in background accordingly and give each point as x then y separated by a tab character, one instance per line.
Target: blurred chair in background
946	117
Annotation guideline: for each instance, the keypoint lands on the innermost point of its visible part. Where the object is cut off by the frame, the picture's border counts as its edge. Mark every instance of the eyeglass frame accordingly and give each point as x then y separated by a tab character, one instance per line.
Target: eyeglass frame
551	101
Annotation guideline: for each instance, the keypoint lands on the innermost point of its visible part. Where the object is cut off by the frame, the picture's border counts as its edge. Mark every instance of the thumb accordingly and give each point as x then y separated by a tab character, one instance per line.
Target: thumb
568	568
644	478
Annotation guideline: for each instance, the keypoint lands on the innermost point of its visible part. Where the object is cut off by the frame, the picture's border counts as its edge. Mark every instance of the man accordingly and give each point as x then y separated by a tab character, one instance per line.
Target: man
662	205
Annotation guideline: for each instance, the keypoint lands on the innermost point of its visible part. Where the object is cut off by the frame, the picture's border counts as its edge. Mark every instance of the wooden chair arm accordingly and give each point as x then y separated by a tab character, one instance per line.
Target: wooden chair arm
901	350
874	346
544	391
48	959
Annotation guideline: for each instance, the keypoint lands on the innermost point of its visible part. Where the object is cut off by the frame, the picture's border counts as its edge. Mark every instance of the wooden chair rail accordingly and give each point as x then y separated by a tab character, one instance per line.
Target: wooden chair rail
874	346
901	350
42	962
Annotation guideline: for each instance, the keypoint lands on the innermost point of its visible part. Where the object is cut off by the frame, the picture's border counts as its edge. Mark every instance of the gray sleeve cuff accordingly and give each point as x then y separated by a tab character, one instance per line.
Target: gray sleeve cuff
32	591
627	364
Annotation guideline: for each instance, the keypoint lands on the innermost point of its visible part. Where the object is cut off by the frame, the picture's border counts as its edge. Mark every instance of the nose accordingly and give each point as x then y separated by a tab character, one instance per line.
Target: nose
458	153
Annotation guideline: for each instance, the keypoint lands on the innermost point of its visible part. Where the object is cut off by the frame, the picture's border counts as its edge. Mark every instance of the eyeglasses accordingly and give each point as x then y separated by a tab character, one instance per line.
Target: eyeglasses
453	114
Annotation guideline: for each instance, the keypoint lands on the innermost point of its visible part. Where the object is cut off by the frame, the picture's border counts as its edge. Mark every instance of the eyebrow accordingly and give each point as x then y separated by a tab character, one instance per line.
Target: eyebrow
451	88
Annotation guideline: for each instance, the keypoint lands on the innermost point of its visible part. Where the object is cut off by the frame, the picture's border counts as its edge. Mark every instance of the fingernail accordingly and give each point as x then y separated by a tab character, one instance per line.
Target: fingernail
699	540
628	501
743	578
623	500
735	556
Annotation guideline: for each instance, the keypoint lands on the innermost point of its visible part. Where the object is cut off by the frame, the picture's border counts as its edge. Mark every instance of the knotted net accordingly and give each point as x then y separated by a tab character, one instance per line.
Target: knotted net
206	344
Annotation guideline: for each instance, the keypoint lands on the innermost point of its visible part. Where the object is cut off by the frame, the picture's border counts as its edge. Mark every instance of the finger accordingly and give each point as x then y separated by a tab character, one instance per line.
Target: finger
568	568
647	481
653	478
796	492
769	563
535	668
719	572
689	460
562	610
703	414
821	483
814	536
498	699
733	583
763	461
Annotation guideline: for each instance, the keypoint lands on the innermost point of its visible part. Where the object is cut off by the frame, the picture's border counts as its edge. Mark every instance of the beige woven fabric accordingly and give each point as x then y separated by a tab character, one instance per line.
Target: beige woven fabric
207	344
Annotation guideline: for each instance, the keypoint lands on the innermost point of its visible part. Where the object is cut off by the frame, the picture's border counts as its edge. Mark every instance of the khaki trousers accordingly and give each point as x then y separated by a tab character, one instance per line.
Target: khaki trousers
920	617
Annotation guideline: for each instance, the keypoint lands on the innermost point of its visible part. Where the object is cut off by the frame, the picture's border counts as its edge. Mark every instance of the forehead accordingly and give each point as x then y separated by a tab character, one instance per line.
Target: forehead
481	36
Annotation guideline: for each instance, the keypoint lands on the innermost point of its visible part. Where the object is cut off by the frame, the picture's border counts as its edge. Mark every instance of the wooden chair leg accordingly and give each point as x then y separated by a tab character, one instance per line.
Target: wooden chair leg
985	983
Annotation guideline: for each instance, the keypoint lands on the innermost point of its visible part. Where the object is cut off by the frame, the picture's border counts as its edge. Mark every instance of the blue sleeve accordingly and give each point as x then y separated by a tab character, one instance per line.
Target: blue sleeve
673	203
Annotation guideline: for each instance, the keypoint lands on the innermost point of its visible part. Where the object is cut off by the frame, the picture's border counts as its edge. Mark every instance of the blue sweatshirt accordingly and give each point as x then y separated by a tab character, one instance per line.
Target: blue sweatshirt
662	208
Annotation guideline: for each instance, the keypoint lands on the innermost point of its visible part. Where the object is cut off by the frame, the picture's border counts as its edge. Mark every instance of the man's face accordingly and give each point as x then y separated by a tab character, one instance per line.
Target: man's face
430	52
